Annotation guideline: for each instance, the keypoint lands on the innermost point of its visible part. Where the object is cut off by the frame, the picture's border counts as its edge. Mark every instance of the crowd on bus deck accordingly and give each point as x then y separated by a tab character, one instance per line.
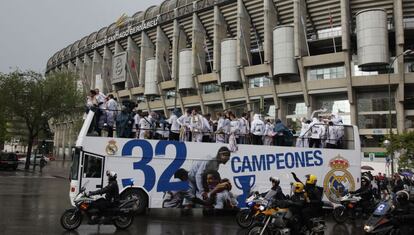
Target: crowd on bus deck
226	127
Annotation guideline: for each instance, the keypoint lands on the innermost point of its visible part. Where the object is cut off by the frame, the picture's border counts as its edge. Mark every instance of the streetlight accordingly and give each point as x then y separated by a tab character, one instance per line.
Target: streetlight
387	143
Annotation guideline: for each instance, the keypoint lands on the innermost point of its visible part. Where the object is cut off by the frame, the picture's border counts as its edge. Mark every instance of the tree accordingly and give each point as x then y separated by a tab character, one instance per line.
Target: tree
35	99
403	144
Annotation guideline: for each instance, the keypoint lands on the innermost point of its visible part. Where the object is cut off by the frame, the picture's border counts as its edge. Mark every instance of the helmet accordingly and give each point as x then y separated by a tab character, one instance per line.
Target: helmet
365	179
297	187
111	175
402	196
274	180
311	179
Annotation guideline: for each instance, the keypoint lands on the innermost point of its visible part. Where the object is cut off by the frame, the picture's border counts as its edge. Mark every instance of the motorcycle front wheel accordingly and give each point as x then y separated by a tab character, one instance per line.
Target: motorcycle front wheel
123	221
256	230
340	214
244	218
71	219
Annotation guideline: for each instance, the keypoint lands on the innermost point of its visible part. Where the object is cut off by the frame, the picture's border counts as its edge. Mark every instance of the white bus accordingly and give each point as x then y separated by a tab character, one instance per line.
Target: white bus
151	165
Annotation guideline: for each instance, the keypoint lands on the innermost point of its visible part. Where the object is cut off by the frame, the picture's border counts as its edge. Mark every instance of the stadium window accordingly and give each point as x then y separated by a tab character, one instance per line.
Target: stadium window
258	81
210	88
321	73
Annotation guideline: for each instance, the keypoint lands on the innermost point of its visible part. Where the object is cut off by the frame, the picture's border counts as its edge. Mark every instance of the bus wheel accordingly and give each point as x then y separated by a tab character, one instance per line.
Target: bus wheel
142	200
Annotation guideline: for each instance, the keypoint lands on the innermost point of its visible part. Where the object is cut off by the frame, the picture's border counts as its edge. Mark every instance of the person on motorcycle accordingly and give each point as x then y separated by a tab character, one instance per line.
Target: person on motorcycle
111	192
403	214
275	192
366	194
296	204
313	198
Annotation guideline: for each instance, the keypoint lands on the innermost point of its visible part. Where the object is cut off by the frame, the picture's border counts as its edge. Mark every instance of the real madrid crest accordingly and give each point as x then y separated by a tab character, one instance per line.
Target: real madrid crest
111	148
338	180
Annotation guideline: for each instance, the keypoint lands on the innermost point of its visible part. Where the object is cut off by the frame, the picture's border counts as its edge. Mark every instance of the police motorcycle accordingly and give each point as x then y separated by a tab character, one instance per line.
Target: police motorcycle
276	219
380	221
349	208
121	216
247	216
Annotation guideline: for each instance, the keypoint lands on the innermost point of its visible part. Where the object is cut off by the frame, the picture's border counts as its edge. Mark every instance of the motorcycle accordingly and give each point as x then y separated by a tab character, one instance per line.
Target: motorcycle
121	216
380	220
277	220
246	217
348	209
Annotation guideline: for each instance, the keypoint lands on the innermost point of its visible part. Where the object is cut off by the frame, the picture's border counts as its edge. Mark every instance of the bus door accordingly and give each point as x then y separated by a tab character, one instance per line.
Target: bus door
92	171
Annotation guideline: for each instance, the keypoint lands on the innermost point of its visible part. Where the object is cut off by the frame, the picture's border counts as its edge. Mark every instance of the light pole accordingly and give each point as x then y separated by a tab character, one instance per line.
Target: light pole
387	143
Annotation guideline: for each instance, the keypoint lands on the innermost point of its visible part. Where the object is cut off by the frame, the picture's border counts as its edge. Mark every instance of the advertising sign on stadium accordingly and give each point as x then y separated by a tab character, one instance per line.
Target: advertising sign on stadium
125	33
118	68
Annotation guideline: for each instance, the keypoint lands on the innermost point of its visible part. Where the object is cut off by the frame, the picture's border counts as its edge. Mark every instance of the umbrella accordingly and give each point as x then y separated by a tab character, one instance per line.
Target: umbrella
406	173
368	168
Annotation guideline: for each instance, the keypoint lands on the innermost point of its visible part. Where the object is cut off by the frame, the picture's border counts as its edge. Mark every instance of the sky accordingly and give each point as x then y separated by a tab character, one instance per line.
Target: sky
32	31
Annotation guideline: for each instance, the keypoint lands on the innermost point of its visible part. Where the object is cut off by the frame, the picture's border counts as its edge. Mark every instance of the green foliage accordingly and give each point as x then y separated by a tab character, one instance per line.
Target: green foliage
404	144
34	99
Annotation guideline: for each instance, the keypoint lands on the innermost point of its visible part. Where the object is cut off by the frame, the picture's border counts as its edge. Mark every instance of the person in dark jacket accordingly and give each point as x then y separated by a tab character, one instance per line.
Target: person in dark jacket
403	214
366	194
313	199
398	184
111	192
275	192
282	133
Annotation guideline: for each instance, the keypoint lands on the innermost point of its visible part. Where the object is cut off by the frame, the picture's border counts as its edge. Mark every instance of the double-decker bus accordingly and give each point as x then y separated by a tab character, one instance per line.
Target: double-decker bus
152	165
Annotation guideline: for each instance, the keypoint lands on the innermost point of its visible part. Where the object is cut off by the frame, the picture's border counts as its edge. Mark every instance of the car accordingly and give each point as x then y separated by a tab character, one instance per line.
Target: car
22	160
8	160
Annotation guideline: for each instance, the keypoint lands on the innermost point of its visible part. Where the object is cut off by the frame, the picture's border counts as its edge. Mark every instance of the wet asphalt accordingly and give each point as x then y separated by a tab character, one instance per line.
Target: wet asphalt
31	203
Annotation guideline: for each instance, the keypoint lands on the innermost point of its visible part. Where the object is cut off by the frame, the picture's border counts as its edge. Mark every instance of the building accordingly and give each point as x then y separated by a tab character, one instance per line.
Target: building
293	56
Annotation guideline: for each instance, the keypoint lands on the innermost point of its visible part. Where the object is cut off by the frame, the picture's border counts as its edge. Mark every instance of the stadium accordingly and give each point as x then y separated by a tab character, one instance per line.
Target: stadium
284	58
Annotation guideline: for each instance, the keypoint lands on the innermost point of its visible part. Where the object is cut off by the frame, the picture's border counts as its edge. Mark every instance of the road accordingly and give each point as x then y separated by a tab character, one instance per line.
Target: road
32	203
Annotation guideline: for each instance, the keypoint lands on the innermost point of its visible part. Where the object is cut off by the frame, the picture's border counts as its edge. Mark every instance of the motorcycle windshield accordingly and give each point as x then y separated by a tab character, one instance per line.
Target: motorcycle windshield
381	209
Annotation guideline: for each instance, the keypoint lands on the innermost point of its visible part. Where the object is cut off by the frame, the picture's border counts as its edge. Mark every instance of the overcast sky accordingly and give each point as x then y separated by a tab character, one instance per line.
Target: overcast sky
31	31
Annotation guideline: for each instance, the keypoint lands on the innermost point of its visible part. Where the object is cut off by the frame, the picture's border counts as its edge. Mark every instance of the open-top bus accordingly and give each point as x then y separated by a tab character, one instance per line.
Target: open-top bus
151	165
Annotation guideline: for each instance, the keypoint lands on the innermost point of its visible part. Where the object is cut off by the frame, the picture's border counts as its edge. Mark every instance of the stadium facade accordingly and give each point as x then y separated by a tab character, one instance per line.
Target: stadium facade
285	57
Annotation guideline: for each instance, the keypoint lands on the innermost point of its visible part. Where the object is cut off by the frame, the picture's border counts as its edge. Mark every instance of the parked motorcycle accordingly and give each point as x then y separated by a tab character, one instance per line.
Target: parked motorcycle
121	216
349	208
246	217
380	220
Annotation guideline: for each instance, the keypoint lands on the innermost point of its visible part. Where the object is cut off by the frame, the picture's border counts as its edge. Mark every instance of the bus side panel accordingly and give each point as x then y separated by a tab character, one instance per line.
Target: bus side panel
152	165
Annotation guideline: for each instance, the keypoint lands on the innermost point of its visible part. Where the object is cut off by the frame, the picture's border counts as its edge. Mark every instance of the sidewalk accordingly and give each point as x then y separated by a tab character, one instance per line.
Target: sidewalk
56	168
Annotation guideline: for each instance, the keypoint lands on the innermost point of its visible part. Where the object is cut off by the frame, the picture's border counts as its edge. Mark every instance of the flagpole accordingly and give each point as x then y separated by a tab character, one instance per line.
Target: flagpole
130	75
305	34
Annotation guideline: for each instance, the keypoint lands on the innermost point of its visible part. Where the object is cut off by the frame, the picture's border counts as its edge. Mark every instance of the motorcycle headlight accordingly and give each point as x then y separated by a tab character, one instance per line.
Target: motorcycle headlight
368	228
261	208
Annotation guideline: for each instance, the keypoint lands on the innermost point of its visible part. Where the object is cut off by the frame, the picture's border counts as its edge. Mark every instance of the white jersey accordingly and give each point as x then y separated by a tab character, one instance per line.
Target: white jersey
175	126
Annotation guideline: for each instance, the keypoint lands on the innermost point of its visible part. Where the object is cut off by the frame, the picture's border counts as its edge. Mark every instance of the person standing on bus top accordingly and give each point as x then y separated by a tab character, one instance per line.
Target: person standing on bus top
332	134
340	132
199	168
282	133
145	127
257	129
111	113
220	128
316	129
303	139
137	118
268	133
184	122
124	122
207	128
226	125
174	126
234	132
244	129
196	126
